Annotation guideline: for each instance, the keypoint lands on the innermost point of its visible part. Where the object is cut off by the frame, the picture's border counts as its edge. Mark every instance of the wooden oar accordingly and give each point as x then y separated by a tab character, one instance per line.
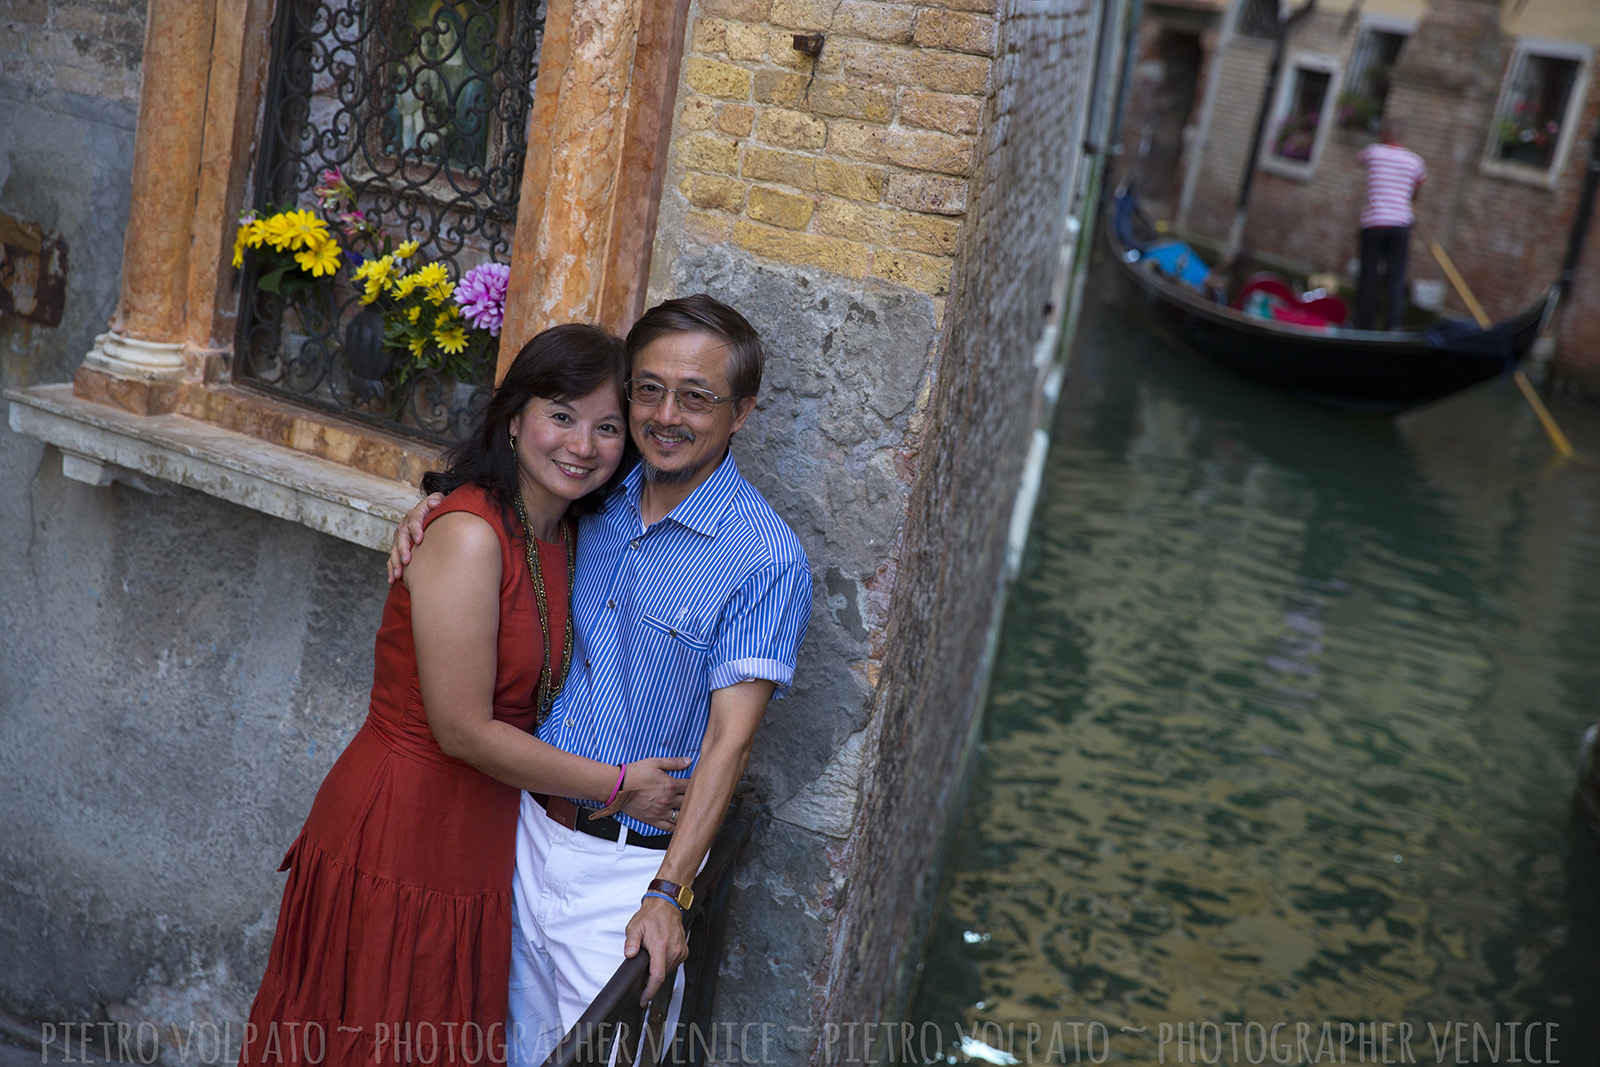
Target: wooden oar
1558	440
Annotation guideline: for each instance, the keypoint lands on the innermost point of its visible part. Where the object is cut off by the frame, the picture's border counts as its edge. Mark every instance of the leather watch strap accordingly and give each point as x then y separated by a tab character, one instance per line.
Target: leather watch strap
682	894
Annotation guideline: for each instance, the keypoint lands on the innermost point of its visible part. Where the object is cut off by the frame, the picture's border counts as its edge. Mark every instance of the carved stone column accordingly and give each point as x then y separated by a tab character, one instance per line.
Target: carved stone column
597	146
139	364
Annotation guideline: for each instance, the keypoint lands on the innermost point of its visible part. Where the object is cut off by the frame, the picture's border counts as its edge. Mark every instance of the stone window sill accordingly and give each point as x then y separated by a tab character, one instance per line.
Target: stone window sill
317	482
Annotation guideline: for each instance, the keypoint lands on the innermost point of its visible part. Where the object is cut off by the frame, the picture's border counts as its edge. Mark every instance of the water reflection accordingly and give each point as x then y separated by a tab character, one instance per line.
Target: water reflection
1284	724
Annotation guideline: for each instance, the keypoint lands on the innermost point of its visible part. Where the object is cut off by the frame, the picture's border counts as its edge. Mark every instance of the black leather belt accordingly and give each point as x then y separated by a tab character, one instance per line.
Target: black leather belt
573	817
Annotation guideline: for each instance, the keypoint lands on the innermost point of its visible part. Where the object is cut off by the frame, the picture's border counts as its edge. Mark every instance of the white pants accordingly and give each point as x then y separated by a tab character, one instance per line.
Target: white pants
573	896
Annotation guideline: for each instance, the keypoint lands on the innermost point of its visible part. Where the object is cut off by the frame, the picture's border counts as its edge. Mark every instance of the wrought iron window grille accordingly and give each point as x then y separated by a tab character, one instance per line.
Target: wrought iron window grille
422	107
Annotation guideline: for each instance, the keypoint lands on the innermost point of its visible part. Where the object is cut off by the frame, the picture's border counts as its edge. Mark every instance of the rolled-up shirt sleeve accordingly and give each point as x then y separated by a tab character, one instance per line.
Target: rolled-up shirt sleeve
762	626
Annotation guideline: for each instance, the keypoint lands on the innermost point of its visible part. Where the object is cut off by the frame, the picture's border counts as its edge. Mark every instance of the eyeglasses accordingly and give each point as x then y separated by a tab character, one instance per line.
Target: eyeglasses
653	394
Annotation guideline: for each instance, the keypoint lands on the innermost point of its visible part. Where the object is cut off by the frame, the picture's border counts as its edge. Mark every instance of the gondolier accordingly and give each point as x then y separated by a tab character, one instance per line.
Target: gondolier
1394	173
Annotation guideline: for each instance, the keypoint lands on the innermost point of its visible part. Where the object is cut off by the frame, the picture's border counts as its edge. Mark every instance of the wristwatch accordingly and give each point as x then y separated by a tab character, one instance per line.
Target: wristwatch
682	895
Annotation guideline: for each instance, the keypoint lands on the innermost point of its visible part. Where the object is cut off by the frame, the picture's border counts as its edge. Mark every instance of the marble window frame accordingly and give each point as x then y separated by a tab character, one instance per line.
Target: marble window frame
153	402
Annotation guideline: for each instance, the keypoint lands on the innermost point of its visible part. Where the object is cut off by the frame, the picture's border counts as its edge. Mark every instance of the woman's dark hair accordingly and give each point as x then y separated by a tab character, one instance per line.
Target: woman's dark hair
562	363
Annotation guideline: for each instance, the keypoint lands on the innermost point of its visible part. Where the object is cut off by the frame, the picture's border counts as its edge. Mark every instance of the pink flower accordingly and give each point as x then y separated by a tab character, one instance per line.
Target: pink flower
481	295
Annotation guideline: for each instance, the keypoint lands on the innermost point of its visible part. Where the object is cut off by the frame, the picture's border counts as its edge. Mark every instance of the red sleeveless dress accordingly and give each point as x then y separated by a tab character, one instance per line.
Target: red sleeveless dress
394	936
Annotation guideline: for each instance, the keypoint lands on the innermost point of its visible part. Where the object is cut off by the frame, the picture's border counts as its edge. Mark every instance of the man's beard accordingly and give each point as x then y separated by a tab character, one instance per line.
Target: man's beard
656	476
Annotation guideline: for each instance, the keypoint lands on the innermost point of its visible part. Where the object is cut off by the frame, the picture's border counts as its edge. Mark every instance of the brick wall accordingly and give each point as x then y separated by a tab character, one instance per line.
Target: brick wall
855	162
89	47
1241	71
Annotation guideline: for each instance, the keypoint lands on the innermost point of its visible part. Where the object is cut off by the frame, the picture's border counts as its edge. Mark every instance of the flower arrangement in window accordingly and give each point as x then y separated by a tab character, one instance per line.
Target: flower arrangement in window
1297	136
1524	138
416	318
1359	111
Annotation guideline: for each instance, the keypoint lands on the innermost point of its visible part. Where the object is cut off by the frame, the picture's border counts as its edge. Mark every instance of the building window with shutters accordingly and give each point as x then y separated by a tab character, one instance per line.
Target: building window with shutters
1366	84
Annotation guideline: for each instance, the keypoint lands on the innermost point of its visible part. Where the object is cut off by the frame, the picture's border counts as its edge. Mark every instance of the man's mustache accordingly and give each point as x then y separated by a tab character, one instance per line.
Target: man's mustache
677	431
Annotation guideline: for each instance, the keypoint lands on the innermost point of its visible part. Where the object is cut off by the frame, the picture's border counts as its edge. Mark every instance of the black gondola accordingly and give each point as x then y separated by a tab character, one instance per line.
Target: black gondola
1362	370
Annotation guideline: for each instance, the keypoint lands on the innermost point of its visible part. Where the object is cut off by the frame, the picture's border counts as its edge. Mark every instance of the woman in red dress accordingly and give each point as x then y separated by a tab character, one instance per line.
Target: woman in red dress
394	936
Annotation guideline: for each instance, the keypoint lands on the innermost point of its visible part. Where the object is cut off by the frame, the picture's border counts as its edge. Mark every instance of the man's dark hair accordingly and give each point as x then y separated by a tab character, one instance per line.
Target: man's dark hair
705	314
562	363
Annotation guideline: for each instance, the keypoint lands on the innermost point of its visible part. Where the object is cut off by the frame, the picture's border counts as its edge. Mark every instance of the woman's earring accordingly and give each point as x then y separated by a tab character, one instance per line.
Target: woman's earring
513	444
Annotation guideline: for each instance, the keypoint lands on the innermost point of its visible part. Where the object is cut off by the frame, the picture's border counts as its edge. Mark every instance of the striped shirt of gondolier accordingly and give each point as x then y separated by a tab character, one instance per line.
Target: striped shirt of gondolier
717	592
1393	174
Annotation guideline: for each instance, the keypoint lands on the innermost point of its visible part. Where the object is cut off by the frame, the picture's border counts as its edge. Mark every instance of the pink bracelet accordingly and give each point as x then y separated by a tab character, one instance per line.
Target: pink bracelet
622	773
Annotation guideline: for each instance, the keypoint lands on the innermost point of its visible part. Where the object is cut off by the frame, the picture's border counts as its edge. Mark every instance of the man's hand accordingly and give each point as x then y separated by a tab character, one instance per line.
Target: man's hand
409	534
658	926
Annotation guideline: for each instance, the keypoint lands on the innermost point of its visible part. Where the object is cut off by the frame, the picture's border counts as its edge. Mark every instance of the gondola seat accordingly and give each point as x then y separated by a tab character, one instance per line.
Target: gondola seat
1178	260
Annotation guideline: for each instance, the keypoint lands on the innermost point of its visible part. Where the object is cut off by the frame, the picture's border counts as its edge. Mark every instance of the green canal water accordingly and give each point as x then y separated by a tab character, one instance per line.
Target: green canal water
1283	731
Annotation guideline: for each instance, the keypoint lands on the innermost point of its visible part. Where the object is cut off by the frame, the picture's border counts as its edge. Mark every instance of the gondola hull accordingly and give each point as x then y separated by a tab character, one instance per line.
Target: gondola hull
1363	370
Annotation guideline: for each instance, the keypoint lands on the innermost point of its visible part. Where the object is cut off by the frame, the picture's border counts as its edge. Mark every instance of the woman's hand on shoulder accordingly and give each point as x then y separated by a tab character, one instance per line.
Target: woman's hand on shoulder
409	534
649	793
464	547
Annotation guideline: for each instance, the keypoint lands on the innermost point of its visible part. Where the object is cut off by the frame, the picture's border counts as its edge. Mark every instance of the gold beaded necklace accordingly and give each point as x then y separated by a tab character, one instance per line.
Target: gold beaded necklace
549	684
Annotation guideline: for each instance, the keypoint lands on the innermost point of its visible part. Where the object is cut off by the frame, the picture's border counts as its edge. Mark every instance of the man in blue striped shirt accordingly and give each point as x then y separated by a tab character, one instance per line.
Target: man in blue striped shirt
690	599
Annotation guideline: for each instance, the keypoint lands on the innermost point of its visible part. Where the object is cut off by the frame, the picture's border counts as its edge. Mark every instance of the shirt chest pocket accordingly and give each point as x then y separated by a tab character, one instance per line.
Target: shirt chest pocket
682	635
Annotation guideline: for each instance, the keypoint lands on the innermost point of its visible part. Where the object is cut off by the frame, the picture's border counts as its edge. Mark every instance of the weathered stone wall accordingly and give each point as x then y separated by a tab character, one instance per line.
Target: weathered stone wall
178	673
86	47
984	410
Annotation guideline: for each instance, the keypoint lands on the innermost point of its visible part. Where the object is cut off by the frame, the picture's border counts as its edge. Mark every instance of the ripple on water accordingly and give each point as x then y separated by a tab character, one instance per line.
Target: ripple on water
1272	740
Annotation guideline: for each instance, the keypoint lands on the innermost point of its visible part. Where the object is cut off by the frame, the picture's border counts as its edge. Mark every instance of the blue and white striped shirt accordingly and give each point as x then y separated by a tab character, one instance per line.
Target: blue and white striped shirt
717	592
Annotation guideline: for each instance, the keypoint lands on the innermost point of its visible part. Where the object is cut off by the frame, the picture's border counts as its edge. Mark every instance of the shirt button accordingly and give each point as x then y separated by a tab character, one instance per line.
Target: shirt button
674	633
634	543
585	664
612	604
571	723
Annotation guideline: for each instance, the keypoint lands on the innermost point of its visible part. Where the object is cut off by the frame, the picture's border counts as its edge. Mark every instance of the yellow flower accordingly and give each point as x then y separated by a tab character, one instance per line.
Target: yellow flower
239	241
276	231
304	229
380	269
374	287
446	316
413	314
452	340
403	286
441	292
407	249
418	345
433	274
319	259
254	233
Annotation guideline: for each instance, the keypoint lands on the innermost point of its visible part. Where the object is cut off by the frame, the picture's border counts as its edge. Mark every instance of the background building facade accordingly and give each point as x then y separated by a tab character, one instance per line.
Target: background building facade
1499	98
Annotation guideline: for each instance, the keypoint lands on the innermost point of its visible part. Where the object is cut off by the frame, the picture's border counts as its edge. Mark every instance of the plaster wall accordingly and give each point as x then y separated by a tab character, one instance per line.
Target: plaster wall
176	674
